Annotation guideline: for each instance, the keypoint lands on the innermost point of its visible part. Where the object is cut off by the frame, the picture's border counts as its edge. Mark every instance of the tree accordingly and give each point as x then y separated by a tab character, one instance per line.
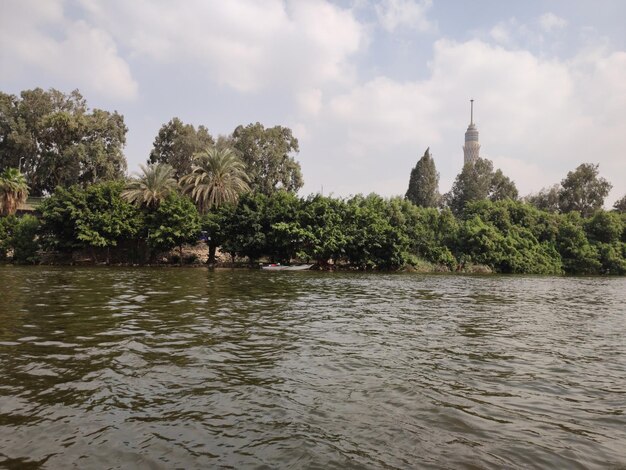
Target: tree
322	217
177	143
217	177
620	205
107	219
267	154
478	181
13	191
578	255
173	223
424	183
606	227
583	190
546	200
95	218
472	184
502	187
152	186
55	140
24	240
213	223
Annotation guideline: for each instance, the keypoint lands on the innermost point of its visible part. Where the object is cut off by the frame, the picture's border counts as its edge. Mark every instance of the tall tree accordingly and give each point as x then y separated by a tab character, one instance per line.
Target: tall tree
177	143
268	155
620	205
424	183
502	187
55	139
583	190
217	177
478	181
472	184
151	186
546	200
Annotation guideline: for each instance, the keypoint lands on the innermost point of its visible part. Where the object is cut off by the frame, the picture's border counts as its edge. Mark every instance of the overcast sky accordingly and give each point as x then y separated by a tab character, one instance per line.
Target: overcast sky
366	86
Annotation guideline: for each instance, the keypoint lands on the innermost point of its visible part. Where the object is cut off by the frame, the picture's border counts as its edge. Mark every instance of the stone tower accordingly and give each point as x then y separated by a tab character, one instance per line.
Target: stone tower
471	149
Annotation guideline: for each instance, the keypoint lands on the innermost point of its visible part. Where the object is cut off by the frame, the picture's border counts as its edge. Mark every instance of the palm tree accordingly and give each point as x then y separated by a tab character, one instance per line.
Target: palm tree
217	176
13	191
152	186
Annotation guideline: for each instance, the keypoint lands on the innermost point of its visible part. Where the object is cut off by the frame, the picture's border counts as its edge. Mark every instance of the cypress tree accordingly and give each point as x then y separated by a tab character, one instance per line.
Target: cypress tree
424	182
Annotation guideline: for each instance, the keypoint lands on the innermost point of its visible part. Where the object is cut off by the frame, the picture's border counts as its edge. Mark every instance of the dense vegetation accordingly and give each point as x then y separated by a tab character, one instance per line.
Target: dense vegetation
238	193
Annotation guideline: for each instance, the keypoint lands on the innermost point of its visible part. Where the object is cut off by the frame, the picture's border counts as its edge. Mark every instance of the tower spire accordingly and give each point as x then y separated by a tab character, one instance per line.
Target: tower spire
471	149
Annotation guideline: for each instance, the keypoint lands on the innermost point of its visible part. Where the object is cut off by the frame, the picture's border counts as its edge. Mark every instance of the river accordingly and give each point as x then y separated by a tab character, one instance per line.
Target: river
189	368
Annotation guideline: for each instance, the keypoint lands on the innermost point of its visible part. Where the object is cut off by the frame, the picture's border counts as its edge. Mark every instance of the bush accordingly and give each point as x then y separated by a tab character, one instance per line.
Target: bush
24	240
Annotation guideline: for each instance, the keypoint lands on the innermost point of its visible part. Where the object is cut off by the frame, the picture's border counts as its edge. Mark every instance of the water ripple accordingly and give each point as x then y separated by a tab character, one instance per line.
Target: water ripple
173	368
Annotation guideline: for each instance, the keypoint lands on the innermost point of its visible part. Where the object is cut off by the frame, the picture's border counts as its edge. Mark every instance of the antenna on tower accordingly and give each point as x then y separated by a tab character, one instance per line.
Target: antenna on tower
472	112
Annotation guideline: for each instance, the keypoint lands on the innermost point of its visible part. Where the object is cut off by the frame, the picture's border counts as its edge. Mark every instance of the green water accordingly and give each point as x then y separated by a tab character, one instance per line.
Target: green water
187	368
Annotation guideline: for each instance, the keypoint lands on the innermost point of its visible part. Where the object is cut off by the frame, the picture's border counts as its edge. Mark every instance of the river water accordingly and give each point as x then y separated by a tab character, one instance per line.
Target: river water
188	368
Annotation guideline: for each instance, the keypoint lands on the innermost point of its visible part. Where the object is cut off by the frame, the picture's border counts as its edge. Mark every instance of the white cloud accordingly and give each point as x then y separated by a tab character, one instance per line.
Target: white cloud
247	45
393	14
538	119
38	41
310	101
550	22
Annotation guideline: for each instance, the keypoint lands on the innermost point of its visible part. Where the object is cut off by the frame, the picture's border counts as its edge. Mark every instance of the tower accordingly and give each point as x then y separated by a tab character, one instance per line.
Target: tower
471	149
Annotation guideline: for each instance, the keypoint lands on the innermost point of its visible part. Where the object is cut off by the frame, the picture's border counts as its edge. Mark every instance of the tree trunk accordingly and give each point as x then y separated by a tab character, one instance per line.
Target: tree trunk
212	249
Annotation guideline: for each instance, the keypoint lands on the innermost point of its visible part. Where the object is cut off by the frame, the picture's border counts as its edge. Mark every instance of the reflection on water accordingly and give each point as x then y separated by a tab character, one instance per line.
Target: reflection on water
185	368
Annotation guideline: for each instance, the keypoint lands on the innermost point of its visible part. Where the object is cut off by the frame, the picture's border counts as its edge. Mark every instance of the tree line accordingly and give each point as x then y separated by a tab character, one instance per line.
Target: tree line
238	193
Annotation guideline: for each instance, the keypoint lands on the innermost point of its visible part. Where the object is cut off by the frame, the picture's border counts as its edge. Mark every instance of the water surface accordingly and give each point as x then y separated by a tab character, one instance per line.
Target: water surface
186	368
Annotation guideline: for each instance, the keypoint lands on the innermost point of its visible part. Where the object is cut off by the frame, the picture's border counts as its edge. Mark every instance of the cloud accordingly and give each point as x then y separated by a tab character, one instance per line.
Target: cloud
550	22
39	43
246	45
538	118
394	14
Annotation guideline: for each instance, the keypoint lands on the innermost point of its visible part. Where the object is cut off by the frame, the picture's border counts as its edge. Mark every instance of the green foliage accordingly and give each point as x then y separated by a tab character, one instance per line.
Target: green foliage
620	205
151	186
98	216
424	183
605	227
472	184
546	200
107	218
58	141
267	154
502	187
244	234
19	235
24	240
583	190
218	177
372	241
13	190
478	181
173	223
177	143
322	219
7	225
213	223
504	235
578	255
59	219
612	257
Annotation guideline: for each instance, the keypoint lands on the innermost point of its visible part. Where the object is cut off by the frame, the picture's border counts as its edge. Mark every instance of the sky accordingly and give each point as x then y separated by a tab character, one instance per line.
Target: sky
366	86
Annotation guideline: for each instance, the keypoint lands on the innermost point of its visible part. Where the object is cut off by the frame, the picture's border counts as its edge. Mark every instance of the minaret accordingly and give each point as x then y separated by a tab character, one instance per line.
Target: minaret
471	148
